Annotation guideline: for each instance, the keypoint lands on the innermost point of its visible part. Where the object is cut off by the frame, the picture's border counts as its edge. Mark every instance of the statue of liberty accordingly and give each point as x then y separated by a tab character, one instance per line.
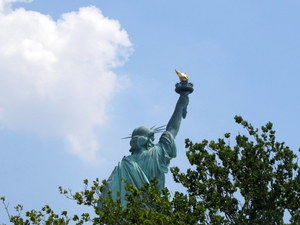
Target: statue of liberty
149	161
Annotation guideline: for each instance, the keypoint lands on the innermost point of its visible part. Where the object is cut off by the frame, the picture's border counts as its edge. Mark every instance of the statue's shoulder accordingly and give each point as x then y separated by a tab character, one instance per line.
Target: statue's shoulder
128	158
166	137
127	161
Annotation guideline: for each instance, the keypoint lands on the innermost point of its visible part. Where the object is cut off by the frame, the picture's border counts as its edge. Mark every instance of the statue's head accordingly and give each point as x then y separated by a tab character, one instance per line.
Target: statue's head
141	138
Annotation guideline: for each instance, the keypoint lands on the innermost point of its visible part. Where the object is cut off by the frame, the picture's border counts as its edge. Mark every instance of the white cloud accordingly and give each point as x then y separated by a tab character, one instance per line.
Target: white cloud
5	5
56	77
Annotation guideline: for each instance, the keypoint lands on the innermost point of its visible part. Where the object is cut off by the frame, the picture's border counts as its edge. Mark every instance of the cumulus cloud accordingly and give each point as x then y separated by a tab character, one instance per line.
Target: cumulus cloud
56	77
6	4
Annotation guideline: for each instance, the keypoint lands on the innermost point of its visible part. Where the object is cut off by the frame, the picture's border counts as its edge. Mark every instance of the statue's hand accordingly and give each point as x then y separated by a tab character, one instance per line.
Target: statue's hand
183	101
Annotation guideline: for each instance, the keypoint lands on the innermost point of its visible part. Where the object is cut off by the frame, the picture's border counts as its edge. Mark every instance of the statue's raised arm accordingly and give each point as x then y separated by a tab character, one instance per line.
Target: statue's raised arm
179	113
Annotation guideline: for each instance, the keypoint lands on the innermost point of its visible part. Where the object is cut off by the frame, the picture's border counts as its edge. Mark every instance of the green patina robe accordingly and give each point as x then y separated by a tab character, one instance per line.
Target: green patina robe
142	167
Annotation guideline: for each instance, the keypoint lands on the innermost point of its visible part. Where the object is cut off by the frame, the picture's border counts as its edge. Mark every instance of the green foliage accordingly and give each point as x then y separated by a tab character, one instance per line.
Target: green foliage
146	205
252	182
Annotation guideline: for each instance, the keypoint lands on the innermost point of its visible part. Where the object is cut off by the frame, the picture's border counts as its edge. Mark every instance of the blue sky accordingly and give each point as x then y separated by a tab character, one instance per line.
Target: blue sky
72	86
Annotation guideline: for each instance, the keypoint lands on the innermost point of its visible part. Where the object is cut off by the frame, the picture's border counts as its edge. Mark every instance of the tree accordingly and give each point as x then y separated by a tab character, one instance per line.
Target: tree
255	181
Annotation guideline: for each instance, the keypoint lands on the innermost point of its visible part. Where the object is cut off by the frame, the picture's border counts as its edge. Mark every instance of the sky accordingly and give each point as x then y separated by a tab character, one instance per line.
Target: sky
78	76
